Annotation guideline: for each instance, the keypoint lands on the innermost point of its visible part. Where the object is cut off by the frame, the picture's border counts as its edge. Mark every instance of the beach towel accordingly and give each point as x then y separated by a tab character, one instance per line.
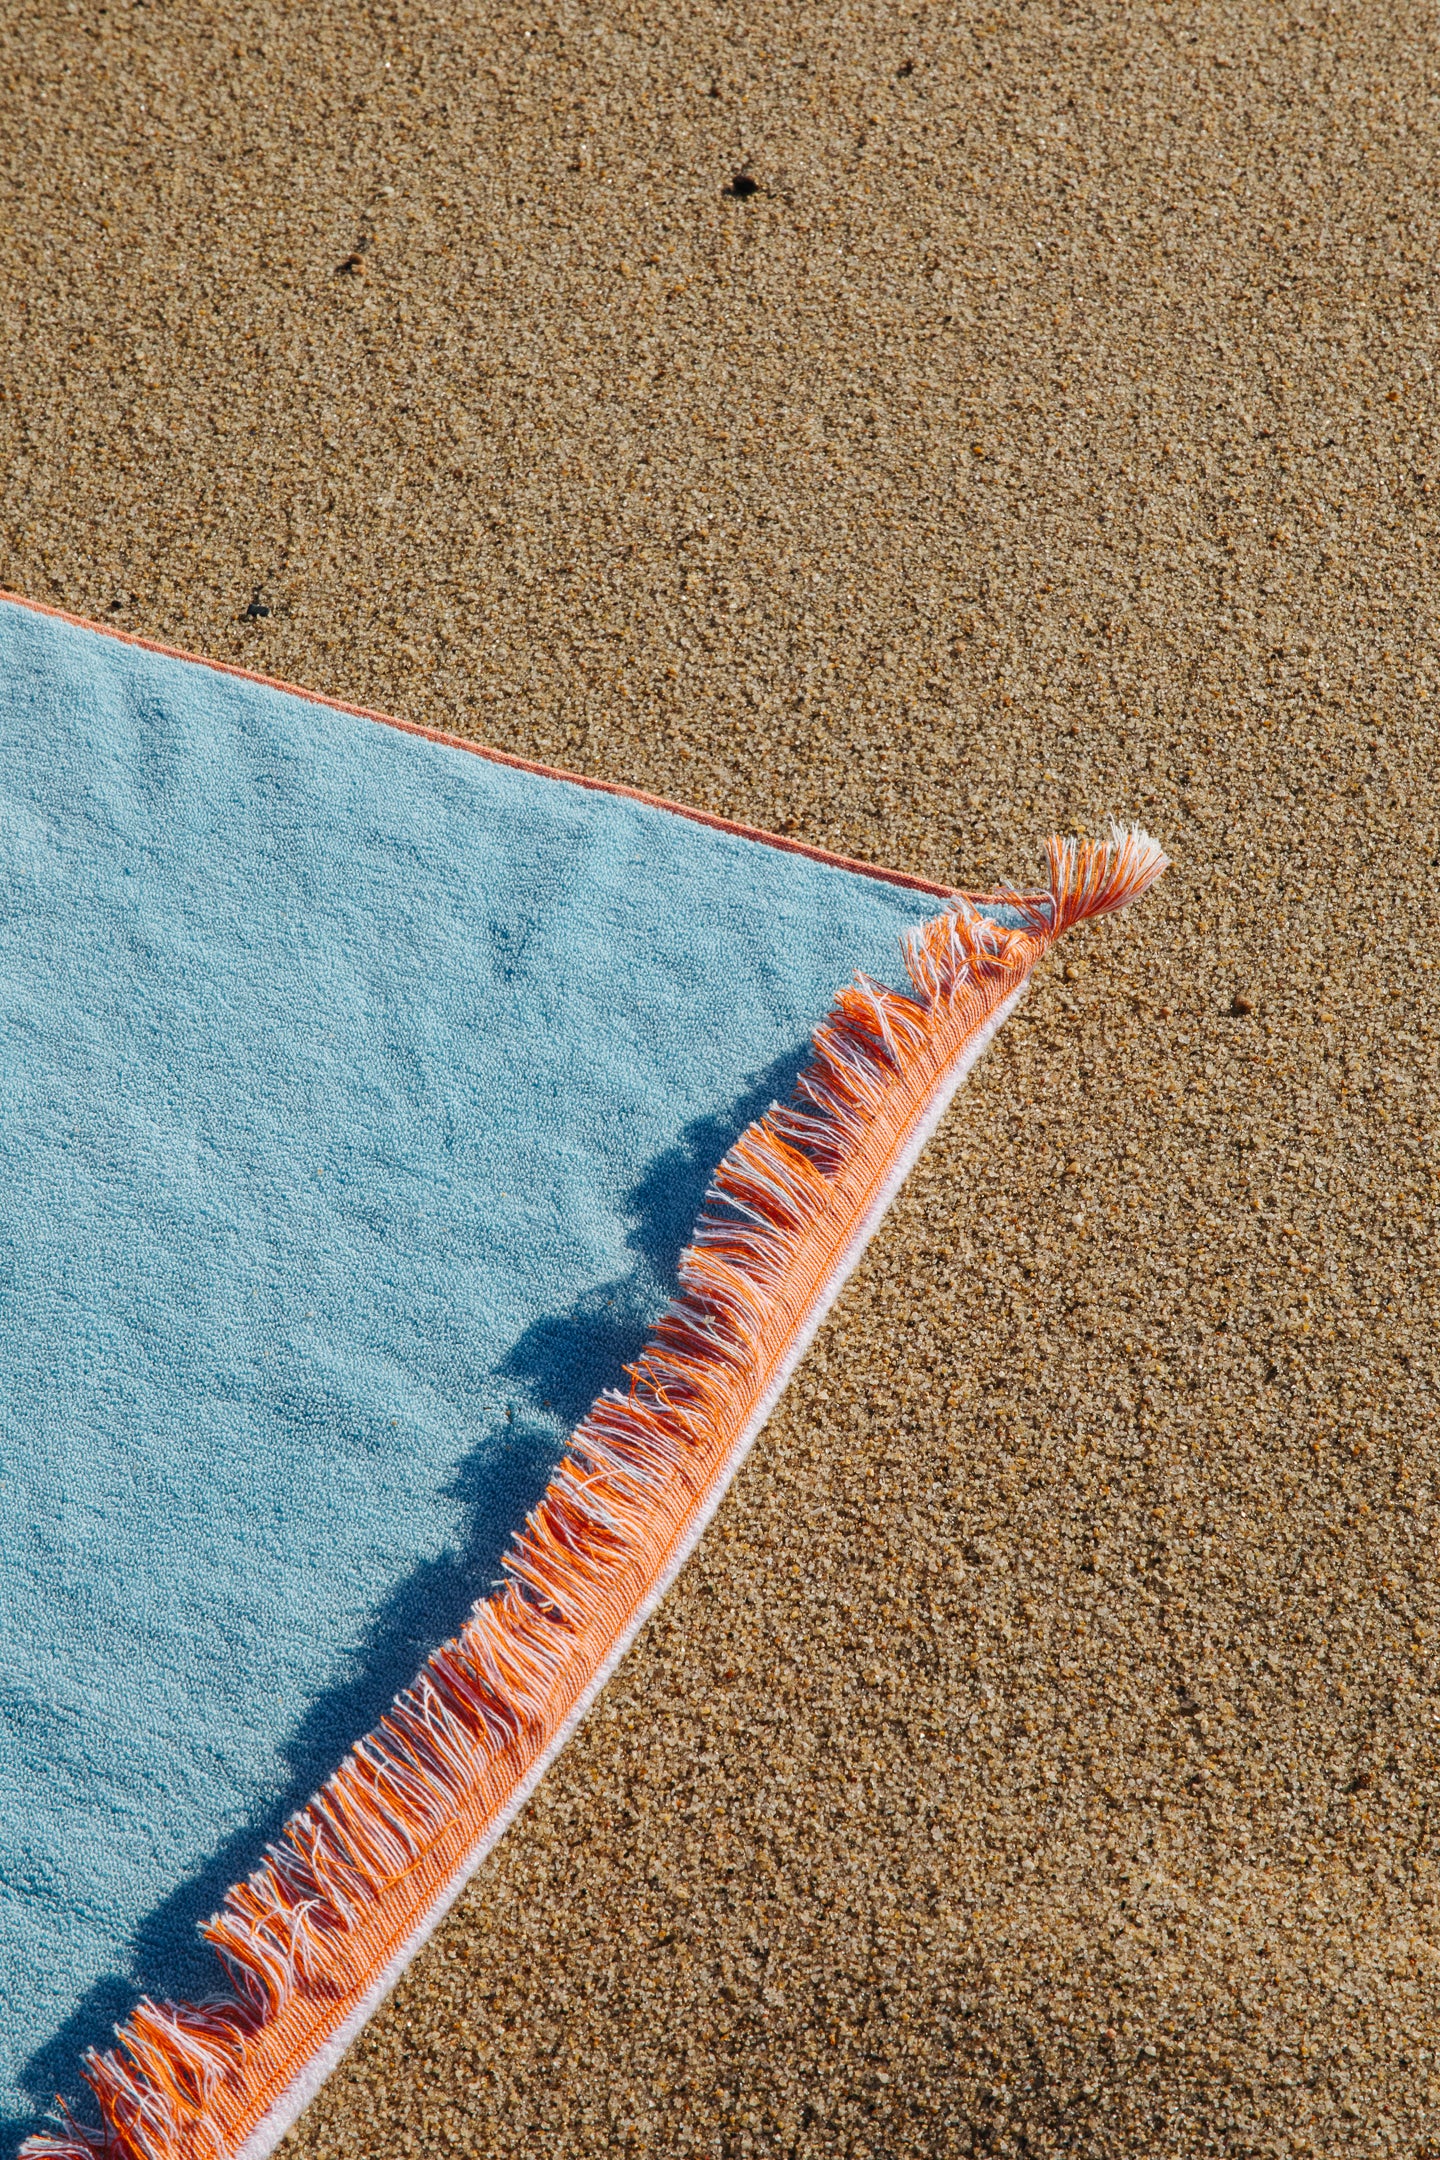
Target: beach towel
420	1172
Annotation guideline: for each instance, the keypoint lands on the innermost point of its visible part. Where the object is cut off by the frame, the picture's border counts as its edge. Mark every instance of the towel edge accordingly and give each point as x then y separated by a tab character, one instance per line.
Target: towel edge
907	879
308	2082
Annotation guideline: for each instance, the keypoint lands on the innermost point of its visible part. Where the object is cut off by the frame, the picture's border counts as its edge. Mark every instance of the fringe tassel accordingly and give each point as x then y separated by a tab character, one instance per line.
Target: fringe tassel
484	1697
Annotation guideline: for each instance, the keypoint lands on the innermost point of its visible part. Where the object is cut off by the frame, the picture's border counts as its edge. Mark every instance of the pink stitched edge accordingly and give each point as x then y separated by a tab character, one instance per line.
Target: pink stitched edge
496	757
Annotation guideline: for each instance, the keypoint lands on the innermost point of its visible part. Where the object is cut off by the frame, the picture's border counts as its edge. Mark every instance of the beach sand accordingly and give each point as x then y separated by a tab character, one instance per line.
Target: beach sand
916	431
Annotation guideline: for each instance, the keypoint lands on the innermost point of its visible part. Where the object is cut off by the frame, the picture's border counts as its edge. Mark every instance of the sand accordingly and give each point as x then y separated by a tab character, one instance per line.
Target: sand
1040	1756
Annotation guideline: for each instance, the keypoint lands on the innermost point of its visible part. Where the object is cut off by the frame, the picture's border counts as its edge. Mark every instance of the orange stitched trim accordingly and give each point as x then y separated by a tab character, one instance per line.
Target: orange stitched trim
496	757
354	1874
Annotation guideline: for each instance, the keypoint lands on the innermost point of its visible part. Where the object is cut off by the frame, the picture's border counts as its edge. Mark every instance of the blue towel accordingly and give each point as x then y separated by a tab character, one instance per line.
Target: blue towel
358	1095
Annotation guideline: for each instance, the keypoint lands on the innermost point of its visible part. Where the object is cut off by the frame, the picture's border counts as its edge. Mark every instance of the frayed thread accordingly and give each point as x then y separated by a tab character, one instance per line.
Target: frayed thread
486	1699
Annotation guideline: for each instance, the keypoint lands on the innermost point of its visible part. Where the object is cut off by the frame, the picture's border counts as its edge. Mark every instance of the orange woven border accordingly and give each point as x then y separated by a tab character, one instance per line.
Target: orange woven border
297	2036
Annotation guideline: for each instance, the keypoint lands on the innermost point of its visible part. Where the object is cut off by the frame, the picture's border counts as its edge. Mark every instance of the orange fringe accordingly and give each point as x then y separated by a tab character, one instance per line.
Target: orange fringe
350	1881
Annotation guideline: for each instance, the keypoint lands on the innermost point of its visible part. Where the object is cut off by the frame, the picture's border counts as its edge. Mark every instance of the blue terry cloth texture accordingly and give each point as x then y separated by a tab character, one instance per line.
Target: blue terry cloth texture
356	1097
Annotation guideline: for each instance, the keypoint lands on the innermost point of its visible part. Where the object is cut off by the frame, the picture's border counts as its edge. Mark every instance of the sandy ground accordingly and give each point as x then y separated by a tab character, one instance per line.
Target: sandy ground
1041	1754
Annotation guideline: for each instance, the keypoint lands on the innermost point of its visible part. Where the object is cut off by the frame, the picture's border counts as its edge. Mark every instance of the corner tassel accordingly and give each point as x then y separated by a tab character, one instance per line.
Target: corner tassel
1096	877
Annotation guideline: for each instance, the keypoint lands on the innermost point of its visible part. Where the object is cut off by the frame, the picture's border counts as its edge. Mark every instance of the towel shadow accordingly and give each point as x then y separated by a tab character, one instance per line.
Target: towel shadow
563	1361
558	1366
